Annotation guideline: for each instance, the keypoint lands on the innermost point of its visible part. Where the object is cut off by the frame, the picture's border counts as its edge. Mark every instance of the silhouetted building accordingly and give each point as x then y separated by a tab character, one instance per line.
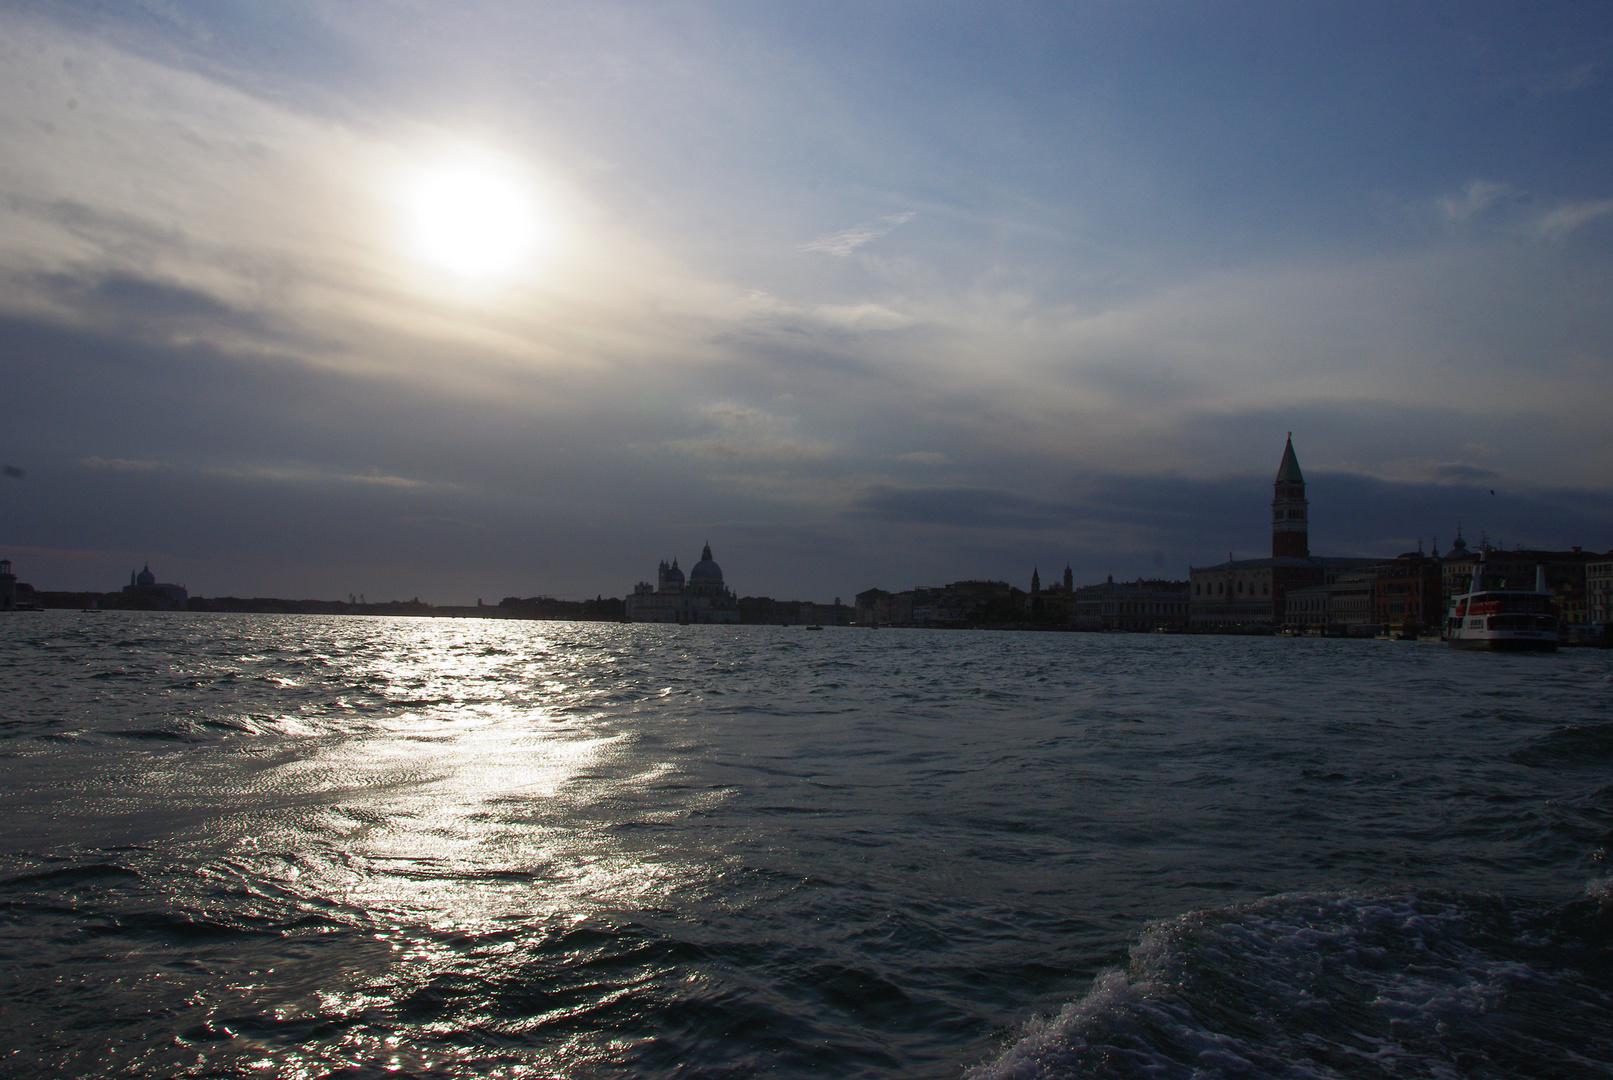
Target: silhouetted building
145	592
1137	605
1349	603
1599	591
703	598
765	611
1249	595
1056	603
1406	594
962	603
1290	510
8	586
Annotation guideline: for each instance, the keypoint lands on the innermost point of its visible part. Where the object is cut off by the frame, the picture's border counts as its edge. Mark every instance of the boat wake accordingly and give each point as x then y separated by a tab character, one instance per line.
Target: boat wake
1311	985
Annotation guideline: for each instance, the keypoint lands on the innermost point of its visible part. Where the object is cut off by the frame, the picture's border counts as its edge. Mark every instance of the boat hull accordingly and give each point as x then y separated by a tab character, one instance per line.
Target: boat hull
1505	644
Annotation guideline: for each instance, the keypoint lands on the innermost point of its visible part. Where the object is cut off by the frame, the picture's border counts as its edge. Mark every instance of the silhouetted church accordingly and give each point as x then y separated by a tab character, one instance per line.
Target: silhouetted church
146	592
702	599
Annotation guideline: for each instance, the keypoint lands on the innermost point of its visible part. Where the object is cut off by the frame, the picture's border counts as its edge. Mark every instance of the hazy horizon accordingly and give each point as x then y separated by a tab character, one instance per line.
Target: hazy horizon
315	299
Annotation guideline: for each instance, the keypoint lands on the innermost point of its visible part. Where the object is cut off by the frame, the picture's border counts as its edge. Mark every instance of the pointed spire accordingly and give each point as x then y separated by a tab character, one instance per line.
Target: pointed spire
1288	472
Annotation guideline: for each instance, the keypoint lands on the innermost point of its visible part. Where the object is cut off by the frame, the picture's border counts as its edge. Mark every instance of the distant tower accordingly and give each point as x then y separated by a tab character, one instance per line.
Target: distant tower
1290	525
1036	581
1069	578
669	579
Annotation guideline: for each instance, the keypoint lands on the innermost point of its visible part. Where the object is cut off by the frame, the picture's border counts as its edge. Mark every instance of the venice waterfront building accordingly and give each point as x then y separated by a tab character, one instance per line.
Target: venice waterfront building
1250	595
144	591
701	598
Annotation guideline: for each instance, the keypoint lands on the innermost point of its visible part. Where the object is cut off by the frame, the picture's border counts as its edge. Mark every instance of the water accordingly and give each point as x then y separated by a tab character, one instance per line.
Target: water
306	847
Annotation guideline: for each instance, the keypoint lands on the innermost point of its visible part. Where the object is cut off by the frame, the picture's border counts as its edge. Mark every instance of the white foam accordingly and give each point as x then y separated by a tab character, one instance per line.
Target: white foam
1302	979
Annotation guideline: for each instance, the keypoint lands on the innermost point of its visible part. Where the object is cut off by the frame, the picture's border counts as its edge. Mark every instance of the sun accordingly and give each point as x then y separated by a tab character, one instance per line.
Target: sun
473	219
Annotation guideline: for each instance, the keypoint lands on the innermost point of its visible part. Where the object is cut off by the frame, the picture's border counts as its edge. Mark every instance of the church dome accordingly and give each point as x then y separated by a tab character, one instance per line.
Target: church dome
706	570
146	577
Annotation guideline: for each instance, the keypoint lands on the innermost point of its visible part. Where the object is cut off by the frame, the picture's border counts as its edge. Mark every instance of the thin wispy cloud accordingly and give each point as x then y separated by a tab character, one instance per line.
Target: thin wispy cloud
120	464
1562	80
1570	217
740	435
848	240
1476	197
284	475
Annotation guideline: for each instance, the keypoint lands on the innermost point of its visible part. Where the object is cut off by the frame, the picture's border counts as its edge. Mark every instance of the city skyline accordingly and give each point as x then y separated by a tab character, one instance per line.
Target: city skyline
325	299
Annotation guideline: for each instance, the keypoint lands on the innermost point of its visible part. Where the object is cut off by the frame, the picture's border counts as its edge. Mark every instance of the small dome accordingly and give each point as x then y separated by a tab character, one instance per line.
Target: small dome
146	577
706	569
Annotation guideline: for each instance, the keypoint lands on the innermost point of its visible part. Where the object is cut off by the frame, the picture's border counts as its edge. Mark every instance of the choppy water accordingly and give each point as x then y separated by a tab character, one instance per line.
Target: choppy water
304	847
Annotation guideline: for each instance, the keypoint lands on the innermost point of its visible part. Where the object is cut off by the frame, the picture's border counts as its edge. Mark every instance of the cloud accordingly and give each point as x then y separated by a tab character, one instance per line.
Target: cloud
173	205
963	507
1441	472
1562	80
858	317
1092	301
845	242
1569	217
1472	200
299	475
740	434
120	464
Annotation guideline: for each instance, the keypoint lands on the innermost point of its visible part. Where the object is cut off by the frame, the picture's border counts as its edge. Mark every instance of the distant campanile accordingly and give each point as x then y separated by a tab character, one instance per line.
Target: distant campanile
1290	526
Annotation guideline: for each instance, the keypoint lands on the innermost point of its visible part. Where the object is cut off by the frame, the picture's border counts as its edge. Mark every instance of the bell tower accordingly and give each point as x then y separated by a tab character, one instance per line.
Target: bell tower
1290	522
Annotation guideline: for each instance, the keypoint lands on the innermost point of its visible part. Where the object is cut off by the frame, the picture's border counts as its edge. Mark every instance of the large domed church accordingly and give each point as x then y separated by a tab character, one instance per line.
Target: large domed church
701	598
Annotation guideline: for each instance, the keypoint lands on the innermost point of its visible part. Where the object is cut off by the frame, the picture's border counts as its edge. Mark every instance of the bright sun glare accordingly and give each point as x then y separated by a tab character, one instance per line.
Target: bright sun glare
473	219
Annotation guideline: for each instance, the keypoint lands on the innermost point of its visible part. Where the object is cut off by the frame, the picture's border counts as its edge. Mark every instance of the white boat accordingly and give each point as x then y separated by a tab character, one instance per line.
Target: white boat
1515	620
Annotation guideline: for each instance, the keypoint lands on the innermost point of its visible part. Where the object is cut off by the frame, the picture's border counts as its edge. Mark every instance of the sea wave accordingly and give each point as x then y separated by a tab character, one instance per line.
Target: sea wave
1326	985
1593	741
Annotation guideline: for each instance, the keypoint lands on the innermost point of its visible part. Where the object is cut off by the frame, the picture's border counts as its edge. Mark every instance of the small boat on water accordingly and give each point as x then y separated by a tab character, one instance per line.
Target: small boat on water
1501	619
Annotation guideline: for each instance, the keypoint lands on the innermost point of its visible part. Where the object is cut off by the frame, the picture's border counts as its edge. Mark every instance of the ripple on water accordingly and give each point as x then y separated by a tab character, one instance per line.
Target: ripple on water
371	846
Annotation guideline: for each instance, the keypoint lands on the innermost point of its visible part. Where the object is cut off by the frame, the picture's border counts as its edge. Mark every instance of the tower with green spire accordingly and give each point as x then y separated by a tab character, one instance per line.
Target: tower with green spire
1290	520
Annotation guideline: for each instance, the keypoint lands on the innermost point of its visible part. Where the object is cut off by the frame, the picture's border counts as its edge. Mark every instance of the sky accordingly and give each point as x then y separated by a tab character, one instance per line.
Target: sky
487	299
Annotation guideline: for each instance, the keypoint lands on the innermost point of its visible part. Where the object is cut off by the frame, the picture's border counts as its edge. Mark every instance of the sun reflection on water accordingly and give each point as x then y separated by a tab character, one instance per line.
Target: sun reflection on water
487	795
411	827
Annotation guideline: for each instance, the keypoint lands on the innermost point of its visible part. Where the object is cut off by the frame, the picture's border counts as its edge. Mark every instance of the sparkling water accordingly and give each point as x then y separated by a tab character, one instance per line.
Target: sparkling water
310	847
